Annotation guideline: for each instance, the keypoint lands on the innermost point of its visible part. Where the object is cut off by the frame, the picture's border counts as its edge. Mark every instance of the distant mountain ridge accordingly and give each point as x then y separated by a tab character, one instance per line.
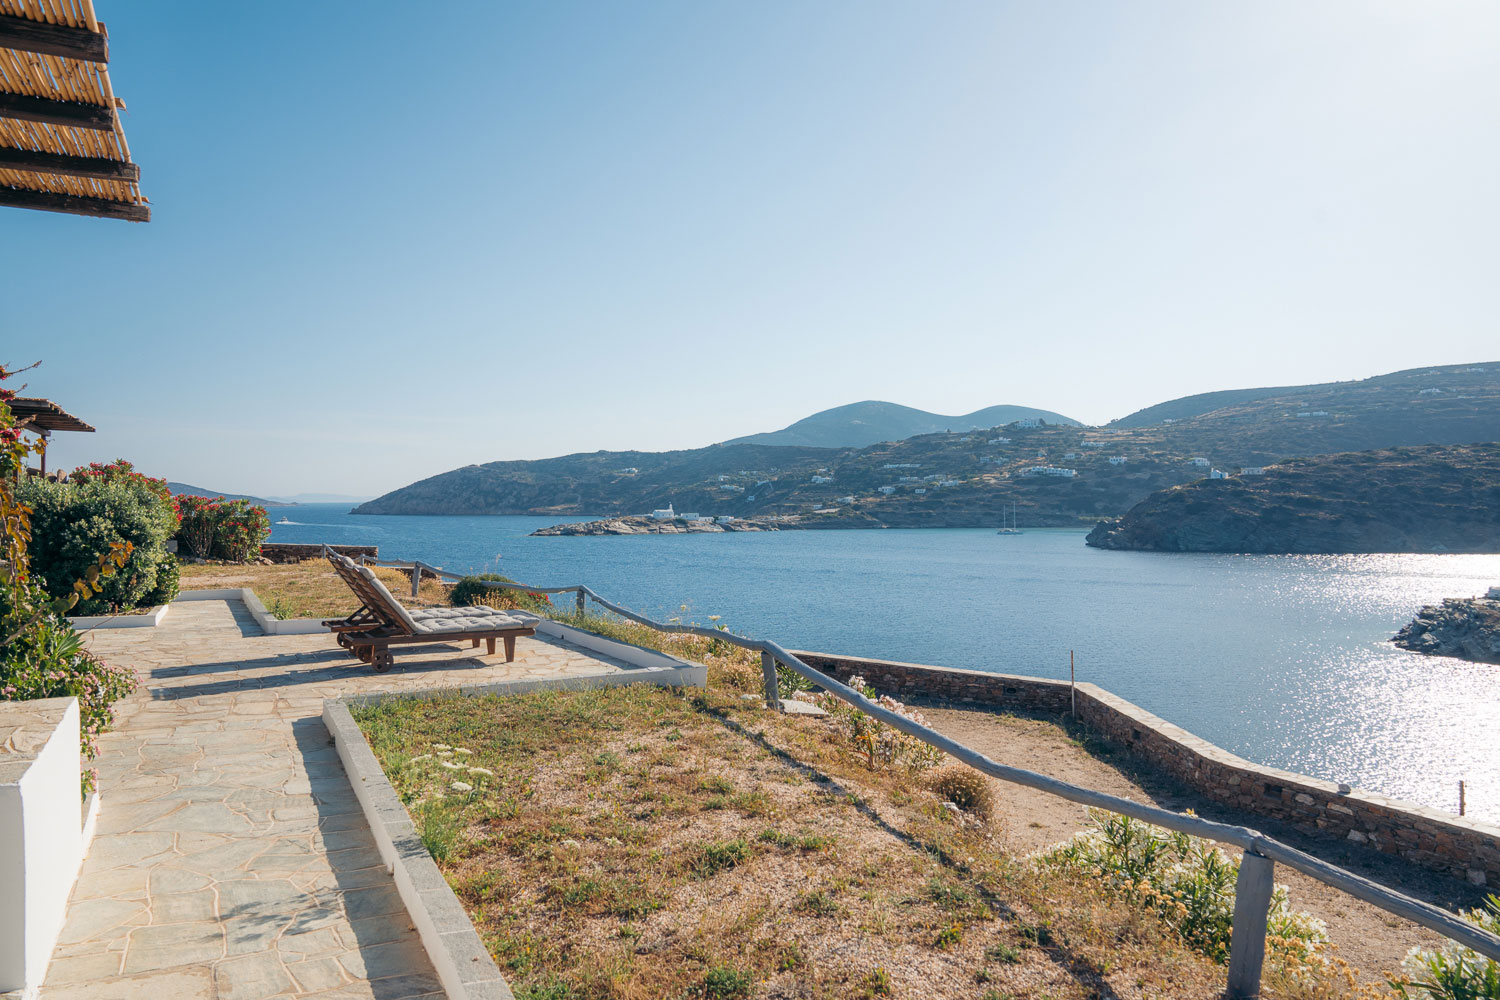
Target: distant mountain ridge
183	489
872	421
1055	473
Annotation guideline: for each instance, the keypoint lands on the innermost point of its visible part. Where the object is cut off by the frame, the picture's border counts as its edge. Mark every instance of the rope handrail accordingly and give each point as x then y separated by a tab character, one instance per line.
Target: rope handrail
1246	954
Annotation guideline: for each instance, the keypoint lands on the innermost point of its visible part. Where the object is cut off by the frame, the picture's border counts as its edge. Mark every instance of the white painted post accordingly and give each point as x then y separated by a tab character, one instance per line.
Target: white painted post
768	673
1247	945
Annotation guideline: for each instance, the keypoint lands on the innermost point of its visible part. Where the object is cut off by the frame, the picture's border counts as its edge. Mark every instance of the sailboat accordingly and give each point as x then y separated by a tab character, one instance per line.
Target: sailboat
1010	529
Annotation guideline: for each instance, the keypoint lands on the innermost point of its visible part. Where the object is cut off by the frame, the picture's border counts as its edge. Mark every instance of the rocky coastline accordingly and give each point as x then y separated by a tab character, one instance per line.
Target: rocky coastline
642	525
1431	498
1468	628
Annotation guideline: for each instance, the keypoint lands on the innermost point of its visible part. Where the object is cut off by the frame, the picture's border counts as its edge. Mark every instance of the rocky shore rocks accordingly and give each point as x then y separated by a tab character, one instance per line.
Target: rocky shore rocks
1464	627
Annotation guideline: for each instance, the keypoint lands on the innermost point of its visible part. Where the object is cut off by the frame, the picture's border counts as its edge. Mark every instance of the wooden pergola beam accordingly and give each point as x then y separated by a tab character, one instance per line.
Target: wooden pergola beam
53	39
49	112
50	201
73	166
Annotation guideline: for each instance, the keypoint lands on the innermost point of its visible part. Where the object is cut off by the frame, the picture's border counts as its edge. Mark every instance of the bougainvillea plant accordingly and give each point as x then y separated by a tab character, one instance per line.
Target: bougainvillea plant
216	528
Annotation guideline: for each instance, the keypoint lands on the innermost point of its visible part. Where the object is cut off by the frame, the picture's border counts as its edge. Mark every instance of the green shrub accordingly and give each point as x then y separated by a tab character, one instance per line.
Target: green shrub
1454	972
724	983
48	661
168	581
73	524
471	590
1188	882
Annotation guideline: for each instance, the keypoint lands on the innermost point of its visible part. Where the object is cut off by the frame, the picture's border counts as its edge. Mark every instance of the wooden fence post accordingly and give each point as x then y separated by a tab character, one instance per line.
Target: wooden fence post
581	601
768	672
1247	945
416	578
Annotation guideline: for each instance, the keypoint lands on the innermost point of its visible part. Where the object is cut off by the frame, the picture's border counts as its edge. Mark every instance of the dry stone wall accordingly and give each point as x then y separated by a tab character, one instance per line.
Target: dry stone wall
1432	839
290	552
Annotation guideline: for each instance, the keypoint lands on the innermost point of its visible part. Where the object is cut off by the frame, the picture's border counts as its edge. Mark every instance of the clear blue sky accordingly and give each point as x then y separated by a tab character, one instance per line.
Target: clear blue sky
392	239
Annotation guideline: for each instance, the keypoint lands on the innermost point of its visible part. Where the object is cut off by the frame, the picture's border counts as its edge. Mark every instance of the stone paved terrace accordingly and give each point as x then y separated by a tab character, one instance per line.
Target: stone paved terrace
231	859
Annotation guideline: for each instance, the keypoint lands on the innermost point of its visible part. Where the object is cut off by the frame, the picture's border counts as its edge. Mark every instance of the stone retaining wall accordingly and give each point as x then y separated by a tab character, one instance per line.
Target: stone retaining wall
1426	837
290	552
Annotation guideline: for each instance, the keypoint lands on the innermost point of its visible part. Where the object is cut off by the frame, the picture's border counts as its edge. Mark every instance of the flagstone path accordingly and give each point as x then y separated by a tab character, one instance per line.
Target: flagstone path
231	860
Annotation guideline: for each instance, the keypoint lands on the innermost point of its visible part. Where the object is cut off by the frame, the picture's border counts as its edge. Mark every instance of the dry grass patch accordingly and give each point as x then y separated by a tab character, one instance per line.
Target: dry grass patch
307	589
640	843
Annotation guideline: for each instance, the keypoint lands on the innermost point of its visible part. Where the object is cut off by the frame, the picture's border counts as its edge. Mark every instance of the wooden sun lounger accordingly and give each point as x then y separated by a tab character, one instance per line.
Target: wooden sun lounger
382	621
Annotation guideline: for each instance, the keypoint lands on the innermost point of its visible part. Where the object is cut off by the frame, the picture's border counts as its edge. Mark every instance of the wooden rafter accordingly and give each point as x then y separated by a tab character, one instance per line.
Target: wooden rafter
72	204
70	114
26	35
74	166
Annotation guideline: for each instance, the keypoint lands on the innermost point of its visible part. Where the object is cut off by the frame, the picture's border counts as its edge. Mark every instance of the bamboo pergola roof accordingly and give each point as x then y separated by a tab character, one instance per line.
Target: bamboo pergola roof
61	145
44	415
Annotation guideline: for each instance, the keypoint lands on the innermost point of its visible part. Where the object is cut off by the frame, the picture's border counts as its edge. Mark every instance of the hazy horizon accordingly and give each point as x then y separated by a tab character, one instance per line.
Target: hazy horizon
661	226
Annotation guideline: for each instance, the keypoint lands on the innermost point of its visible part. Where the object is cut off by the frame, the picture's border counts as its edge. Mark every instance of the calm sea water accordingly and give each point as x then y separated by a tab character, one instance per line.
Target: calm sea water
1281	659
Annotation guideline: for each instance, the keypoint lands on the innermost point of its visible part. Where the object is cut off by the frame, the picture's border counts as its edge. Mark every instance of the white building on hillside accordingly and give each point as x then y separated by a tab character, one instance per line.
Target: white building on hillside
822	479
1049	470
1198	461
724	519
664	514
1117	460
1253	470
887	490
1217	474
1029	422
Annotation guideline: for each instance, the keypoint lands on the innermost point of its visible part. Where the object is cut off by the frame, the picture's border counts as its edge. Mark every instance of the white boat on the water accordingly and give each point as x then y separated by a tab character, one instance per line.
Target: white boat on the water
1010	529
284	520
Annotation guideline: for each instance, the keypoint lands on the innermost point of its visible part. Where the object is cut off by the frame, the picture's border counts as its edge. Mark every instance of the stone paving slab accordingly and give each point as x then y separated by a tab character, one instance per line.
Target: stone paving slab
231	859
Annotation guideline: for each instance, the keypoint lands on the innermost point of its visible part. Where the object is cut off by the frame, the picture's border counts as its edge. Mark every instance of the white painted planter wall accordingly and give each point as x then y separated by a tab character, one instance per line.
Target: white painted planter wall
43	838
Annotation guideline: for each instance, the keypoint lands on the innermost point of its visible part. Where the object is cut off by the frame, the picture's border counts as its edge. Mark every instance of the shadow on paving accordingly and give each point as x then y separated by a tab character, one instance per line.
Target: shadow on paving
280	671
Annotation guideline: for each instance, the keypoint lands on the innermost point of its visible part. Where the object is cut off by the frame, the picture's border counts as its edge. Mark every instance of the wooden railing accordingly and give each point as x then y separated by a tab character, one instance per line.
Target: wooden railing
1257	864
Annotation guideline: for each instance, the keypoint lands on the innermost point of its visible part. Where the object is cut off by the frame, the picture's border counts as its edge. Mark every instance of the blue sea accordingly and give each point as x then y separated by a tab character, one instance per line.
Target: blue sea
1281	659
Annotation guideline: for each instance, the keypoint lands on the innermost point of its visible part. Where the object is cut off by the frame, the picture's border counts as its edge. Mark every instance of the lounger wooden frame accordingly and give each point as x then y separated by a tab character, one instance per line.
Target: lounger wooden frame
378	624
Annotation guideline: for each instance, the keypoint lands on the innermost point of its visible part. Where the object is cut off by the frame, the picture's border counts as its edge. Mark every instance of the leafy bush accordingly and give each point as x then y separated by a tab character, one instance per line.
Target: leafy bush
40	654
48	661
168	581
1454	972
965	788
1188	882
74	524
216	528
470	591
878	743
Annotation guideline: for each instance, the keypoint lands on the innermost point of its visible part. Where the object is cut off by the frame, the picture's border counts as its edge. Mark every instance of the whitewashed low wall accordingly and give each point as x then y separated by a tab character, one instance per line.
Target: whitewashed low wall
148	619
42	834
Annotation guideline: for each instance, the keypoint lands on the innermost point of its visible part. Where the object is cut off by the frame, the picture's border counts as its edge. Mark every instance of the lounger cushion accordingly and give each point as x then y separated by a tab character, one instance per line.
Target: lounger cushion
480	623
433	615
393	606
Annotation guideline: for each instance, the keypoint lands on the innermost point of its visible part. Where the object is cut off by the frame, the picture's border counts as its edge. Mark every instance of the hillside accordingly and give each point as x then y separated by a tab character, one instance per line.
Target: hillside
1453	404
1421	499
184	489
872	421
967	478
